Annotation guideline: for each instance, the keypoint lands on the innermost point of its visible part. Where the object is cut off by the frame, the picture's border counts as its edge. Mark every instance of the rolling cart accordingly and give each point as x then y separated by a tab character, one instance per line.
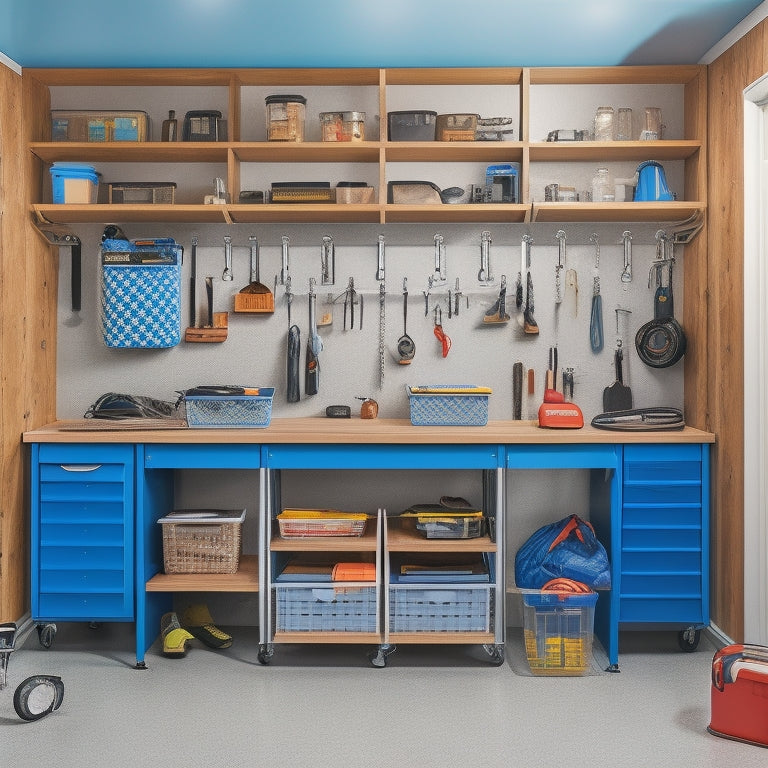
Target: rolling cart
456	611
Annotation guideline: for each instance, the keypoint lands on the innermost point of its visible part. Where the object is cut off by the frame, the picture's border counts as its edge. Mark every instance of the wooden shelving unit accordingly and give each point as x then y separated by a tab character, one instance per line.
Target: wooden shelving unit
235	154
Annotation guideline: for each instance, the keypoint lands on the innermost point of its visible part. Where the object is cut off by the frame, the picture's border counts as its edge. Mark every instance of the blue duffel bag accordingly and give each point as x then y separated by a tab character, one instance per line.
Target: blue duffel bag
567	549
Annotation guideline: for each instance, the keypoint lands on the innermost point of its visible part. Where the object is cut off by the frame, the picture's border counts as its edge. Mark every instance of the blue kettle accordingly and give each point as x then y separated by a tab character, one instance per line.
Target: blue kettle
651	183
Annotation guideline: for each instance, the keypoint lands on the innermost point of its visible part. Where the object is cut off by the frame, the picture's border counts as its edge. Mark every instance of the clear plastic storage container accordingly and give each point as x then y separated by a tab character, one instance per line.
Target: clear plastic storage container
285	118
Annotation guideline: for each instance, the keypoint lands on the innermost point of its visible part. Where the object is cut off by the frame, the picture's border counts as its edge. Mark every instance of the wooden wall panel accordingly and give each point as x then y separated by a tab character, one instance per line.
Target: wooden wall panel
695	306
28	284
741	65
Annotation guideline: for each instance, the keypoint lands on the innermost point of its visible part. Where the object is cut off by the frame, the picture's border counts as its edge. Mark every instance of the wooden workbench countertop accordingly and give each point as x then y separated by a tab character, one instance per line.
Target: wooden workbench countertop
322	430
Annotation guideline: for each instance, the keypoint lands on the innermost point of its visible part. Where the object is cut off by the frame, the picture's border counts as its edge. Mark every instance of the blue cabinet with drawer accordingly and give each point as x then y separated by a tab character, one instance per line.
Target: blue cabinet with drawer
664	562
82	519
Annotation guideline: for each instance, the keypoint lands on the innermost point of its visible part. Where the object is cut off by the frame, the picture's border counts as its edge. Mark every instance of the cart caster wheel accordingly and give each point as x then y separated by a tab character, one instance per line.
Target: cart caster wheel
46	634
378	658
496	652
265	654
688	639
37	696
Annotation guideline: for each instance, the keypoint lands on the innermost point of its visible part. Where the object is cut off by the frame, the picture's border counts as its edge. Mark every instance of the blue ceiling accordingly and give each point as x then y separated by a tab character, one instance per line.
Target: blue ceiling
353	33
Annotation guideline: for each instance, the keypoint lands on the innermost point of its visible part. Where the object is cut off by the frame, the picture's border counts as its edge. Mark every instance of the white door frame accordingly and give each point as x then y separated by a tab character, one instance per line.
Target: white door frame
756	362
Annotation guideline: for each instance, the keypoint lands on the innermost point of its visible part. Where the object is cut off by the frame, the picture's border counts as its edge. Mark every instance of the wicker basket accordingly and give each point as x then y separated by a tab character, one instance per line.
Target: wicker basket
201	546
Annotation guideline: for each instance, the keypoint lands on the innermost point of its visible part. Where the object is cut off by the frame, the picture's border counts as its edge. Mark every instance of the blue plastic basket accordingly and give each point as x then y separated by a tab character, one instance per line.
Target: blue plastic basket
439	610
326	609
230	411
449	410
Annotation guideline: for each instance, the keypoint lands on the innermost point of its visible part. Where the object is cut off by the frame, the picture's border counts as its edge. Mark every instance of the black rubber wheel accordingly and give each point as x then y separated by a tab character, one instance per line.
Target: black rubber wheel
378	657
46	634
496	652
38	696
688	639
265	654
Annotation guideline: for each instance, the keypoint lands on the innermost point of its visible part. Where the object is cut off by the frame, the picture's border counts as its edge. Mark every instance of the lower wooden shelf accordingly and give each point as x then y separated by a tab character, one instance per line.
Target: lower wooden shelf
245	580
327	637
442	638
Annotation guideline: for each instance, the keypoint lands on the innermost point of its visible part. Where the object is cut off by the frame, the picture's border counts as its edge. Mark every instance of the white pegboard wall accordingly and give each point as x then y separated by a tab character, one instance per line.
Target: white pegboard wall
255	350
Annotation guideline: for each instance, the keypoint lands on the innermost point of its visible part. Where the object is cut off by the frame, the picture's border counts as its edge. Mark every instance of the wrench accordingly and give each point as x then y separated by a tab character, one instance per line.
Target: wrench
626	275
380	265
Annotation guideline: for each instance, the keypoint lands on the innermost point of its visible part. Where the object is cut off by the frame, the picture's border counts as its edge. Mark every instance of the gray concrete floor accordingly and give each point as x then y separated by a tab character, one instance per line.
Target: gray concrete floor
326	706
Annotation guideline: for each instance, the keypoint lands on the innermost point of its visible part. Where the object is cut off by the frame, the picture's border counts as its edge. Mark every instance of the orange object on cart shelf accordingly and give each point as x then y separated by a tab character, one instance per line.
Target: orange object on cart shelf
354	572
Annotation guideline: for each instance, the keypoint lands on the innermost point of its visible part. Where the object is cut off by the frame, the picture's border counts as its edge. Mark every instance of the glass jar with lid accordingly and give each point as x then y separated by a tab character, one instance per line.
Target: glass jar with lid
285	117
604	118
602	187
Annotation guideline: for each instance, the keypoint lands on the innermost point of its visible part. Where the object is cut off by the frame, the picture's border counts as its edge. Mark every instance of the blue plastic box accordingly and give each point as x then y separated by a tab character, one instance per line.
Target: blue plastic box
440	608
75	183
326	609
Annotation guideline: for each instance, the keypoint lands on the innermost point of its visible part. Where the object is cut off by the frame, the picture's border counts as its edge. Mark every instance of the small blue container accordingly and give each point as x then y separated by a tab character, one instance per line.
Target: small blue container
74	183
232	411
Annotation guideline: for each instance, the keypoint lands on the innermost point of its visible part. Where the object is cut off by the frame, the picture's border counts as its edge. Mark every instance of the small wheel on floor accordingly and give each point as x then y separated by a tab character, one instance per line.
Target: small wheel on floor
688	639
496	652
378	658
46	633
265	654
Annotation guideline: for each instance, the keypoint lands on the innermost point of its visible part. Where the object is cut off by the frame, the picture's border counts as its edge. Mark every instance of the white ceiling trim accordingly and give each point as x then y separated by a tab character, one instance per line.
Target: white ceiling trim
741	29
10	63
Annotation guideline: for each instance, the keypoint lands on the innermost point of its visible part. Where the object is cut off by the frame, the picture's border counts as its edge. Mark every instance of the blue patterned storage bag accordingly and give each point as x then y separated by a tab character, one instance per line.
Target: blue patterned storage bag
141	293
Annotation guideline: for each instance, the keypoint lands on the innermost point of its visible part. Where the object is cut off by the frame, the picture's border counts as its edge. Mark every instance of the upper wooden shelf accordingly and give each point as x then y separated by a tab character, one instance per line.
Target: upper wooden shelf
368	542
615	212
371	214
131	152
661	74
611	151
402	538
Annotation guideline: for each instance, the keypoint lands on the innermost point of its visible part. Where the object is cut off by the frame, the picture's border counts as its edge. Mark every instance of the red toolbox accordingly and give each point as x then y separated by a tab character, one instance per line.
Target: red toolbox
740	694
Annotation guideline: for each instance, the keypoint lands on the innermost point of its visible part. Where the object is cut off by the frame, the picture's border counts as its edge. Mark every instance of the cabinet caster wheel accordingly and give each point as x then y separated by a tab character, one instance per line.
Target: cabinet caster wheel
688	639
378	658
265	654
496	652
46	634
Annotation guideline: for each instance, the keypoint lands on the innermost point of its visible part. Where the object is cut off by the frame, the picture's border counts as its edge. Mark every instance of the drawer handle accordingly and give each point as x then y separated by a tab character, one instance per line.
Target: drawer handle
80	467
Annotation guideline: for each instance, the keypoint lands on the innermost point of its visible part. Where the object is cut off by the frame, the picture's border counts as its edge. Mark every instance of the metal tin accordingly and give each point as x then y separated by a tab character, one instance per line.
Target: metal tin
342	126
353	126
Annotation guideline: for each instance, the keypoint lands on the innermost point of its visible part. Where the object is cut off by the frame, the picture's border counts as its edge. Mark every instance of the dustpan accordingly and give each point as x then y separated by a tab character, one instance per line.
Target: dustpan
255	297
